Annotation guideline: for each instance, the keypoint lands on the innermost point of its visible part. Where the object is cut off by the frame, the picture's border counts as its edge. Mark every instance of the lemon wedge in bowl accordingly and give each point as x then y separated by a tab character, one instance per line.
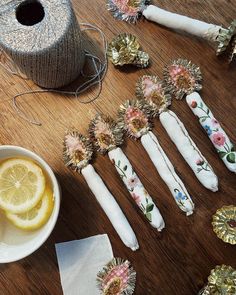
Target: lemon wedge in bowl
37	216
22	184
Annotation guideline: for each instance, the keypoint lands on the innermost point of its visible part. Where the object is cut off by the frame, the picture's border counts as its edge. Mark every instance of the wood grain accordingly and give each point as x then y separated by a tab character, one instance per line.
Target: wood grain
178	260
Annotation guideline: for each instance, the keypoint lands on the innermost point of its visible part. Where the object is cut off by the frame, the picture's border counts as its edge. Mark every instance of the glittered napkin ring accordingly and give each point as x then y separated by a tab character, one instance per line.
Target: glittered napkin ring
124	50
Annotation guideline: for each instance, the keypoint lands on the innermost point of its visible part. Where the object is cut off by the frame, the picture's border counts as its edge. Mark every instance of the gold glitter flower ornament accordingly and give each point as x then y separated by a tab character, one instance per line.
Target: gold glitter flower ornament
127	10
124	49
133	117
117	278
77	150
227	39
224	224
222	281
150	88
182	77
105	134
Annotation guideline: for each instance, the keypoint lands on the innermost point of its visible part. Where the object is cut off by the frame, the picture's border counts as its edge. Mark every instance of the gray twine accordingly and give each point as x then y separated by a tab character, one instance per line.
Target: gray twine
51	61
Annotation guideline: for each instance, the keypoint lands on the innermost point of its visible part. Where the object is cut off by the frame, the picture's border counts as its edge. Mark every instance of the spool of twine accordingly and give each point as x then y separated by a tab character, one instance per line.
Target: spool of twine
43	38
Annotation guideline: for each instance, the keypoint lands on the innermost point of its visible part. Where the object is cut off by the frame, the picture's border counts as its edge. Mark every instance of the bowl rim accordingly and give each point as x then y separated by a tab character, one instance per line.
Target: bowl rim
57	195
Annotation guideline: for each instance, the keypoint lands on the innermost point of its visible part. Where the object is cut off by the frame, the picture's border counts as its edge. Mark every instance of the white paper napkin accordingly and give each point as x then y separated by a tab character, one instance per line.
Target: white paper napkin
80	261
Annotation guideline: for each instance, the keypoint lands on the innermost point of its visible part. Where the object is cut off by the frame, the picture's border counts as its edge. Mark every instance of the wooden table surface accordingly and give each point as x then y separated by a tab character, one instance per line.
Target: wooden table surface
178	260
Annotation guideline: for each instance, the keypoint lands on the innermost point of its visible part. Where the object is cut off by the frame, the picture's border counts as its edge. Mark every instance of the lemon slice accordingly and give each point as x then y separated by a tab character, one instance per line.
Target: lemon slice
22	184
37	216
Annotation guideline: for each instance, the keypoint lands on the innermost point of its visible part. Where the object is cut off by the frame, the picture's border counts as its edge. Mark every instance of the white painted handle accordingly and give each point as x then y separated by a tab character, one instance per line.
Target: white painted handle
188	149
181	22
167	173
110	207
136	188
225	148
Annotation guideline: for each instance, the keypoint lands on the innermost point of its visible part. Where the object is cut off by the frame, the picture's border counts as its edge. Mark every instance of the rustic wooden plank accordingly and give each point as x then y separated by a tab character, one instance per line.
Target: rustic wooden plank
179	260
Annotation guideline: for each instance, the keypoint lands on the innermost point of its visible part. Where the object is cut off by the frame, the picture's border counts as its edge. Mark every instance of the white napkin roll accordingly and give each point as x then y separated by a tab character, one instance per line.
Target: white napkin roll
215	132
167	172
136	188
181	22
188	149
110	207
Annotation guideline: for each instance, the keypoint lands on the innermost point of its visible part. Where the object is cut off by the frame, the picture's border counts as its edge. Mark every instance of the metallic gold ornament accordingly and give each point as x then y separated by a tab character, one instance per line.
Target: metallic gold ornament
182	77
77	150
225	37
117	278
134	118
151	89
127	10
124	49
222	281
105	134
224	224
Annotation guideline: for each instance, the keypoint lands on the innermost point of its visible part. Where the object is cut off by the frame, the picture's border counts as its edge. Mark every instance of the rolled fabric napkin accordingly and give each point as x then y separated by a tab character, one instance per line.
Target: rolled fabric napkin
220	140
79	262
110	207
77	154
167	172
136	188
188	149
134	118
131	11
183	78
106	136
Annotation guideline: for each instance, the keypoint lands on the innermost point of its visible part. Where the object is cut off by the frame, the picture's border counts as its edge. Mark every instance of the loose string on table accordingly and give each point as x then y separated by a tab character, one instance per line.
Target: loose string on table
99	67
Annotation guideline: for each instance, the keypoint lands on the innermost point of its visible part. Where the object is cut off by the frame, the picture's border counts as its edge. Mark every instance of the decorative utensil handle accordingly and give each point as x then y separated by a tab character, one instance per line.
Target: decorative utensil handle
225	148
136	188
167	172
188	149
110	207
175	21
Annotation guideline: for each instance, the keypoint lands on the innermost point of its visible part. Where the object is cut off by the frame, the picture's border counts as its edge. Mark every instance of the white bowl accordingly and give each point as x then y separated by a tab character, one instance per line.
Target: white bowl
16	244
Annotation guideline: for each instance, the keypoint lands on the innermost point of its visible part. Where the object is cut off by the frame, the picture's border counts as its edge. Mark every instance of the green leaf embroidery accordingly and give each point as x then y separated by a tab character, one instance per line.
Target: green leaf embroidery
201	104
208	111
119	163
203	120
231	158
149	207
125	167
149	216
233	148
222	154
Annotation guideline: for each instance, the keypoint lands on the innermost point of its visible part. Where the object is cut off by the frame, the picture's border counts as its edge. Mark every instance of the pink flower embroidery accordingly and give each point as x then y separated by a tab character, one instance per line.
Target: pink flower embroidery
193	104
132	182
136	198
214	122
218	138
199	162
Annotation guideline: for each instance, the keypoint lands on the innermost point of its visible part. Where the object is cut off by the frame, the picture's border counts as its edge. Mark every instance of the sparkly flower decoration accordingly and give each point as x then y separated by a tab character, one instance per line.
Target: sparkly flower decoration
226	39
222	280
133	117
181	77
117	278
124	49
105	134
151	89
224	224
77	150
232	55
127	10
